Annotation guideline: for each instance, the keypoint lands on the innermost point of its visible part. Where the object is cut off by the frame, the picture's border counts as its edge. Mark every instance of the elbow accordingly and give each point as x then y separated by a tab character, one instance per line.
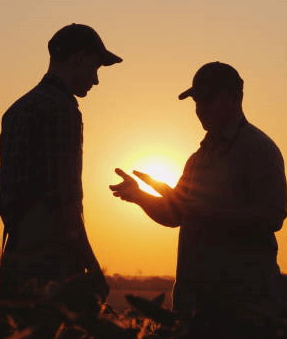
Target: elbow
172	221
277	225
168	216
170	224
276	221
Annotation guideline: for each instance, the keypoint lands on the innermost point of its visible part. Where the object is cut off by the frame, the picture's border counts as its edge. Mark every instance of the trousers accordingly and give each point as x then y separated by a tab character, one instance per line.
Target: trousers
46	243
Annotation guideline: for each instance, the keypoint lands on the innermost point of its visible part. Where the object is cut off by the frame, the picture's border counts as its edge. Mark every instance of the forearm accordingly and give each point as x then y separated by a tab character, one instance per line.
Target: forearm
158	209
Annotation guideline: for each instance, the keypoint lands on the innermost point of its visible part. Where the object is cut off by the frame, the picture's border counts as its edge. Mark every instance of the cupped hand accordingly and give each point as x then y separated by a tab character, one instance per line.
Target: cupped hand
128	189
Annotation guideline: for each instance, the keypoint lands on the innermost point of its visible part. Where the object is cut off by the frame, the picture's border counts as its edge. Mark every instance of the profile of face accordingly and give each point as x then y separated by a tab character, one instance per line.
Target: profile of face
215	113
84	72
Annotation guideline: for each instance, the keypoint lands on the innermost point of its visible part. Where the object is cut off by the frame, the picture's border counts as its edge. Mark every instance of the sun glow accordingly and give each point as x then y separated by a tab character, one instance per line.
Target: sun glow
160	168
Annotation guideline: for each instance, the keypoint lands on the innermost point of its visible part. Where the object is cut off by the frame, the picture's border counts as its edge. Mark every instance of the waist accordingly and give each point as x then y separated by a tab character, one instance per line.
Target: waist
23	195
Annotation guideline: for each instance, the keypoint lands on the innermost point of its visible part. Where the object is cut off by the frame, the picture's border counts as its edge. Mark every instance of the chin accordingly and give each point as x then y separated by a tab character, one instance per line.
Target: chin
81	94
206	127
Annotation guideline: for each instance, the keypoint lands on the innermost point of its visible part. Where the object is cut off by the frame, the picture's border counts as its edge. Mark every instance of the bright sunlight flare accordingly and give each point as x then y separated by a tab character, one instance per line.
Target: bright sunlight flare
159	167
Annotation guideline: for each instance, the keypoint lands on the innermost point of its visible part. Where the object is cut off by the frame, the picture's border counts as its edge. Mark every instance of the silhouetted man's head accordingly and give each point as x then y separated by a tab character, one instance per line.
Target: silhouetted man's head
217	90
76	53
79	38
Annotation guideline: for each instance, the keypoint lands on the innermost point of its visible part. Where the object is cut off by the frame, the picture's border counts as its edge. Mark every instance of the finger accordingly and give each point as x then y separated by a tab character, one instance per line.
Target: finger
122	174
121	186
117	187
119	195
143	176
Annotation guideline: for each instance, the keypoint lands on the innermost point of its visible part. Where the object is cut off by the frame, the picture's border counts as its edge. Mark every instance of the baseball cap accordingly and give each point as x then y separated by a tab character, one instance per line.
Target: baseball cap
210	79
78	37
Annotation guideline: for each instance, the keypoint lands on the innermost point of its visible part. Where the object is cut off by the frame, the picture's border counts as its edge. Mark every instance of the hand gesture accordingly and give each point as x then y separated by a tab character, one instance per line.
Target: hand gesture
128	189
159	186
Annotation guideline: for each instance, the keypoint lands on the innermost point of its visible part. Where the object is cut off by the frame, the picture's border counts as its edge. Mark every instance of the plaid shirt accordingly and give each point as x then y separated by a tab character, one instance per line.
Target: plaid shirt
41	146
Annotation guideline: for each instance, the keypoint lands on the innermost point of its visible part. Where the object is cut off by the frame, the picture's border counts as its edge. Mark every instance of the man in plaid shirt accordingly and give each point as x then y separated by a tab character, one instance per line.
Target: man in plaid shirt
41	168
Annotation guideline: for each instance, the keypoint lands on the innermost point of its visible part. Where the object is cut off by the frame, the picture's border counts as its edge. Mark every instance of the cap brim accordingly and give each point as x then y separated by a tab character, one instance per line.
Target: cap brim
186	94
109	58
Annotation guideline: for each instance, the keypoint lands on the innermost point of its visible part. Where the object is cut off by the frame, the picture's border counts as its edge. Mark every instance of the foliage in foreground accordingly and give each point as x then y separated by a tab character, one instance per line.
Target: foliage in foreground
74	311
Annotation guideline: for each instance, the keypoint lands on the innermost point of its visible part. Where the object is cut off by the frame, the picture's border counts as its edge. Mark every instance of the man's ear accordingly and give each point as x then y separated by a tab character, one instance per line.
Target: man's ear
236	98
77	59
229	97
223	96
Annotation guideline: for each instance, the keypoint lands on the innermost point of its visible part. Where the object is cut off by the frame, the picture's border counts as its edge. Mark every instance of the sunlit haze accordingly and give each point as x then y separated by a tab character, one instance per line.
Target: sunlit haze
133	120
159	167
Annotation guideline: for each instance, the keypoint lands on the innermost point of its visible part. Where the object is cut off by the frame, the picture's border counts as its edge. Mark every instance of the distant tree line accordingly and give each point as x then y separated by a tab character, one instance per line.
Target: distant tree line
118	281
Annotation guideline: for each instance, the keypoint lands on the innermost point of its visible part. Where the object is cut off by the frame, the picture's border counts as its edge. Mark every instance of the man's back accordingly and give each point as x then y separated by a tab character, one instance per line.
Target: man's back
41	146
41	188
41	167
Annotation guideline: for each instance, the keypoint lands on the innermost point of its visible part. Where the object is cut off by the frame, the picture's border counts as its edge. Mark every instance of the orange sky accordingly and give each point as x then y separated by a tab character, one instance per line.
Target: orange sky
134	117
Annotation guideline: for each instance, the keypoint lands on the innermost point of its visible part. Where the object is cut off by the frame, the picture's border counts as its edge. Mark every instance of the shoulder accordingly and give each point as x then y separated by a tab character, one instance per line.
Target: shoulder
190	162
259	144
38	101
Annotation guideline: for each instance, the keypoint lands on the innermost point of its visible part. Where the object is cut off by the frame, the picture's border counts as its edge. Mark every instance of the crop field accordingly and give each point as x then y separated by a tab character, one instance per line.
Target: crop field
118	301
137	308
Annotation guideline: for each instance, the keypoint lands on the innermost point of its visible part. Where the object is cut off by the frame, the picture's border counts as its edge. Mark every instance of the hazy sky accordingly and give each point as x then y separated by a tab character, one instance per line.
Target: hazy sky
133	119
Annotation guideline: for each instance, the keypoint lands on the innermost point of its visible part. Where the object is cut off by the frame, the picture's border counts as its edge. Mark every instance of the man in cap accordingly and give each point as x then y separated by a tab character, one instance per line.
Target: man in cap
41	167
228	203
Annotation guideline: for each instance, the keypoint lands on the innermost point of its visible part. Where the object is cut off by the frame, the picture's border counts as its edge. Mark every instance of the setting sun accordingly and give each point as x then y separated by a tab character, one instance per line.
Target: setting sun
161	168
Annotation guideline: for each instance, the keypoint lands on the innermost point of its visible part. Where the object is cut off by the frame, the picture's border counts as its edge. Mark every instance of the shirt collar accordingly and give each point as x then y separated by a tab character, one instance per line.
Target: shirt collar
229	133
211	140
54	80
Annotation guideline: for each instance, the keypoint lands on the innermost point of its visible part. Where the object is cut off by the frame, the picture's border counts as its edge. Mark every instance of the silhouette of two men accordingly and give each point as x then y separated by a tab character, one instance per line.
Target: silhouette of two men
228	203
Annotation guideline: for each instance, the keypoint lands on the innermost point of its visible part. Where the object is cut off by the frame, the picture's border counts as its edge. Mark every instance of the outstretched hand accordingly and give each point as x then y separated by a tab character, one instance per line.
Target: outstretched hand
159	186
128	189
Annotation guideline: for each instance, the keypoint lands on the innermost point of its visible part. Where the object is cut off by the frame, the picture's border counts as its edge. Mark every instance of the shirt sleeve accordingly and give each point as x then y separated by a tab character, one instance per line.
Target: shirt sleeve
267	183
16	156
58	133
180	194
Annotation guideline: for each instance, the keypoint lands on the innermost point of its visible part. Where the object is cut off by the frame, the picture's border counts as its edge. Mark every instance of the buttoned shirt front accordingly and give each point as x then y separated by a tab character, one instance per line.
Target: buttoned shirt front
242	167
